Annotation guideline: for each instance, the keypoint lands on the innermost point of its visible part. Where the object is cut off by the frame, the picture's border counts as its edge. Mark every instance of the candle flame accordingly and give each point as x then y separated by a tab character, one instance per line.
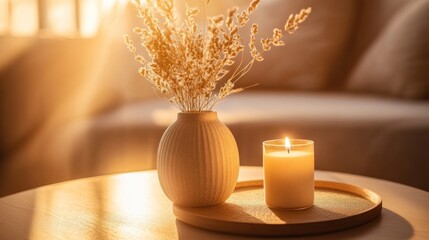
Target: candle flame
287	144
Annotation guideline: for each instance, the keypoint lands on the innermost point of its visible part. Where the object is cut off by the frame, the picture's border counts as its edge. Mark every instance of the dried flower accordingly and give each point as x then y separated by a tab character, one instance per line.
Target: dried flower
185	64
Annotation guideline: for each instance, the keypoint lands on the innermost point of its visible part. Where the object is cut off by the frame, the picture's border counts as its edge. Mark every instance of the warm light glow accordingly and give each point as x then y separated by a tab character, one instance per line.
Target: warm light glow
58	17
287	144
4	17
24	17
108	5
140	1
163	116
129	202
123	2
50	204
120	205
61	18
92	13
90	18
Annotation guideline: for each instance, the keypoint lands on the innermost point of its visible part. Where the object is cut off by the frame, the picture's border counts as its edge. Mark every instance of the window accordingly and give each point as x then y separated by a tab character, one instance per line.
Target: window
66	18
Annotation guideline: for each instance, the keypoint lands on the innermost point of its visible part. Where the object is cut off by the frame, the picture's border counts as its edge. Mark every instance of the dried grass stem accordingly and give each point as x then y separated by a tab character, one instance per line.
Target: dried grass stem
187	65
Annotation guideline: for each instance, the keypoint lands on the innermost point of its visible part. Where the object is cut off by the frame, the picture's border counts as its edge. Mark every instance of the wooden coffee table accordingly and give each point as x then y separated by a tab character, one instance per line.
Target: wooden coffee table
133	206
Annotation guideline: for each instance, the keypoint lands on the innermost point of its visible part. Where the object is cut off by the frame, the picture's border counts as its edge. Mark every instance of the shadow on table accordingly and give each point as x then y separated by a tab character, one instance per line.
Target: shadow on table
388	226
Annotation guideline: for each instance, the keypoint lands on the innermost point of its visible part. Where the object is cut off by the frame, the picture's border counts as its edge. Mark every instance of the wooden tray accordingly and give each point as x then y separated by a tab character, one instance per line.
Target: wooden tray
336	206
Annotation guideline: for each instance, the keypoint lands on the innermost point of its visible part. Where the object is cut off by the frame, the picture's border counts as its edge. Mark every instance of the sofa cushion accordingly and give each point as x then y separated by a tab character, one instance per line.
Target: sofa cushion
33	83
397	62
356	134
372	136
310	55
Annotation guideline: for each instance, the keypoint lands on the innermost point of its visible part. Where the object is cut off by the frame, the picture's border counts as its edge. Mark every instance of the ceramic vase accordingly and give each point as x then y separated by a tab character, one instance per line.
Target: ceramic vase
197	160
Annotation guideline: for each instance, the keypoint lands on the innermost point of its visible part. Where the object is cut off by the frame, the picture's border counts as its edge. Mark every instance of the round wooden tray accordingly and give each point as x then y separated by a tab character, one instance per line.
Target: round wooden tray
336	206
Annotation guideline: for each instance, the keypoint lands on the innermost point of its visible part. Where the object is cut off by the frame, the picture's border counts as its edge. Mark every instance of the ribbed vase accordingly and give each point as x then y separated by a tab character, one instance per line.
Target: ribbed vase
198	160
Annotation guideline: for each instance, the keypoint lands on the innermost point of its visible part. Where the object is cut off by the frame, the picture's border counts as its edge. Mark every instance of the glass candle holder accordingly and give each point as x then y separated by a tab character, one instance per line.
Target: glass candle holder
289	173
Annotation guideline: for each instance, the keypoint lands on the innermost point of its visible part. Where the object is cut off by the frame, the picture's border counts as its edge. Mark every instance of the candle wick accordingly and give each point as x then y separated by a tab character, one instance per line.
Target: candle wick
288	150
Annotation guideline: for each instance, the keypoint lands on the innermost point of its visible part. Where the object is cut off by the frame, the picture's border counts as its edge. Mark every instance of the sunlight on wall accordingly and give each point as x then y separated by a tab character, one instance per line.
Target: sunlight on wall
24	17
4	16
67	18
108	5
89	17
61	18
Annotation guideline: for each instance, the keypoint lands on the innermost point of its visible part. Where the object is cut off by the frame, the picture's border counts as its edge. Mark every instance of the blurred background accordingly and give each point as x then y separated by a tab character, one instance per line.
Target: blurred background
62	62
354	78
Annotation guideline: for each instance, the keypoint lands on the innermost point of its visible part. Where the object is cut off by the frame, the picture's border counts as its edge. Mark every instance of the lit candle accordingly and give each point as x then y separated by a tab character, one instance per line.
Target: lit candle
289	173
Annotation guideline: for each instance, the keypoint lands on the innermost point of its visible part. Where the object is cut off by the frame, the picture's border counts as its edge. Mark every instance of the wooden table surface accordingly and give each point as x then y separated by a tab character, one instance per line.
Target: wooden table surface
133	206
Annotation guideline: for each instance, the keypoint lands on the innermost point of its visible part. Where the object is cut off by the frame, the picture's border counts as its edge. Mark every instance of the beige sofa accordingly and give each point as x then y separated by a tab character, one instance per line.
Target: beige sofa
354	78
